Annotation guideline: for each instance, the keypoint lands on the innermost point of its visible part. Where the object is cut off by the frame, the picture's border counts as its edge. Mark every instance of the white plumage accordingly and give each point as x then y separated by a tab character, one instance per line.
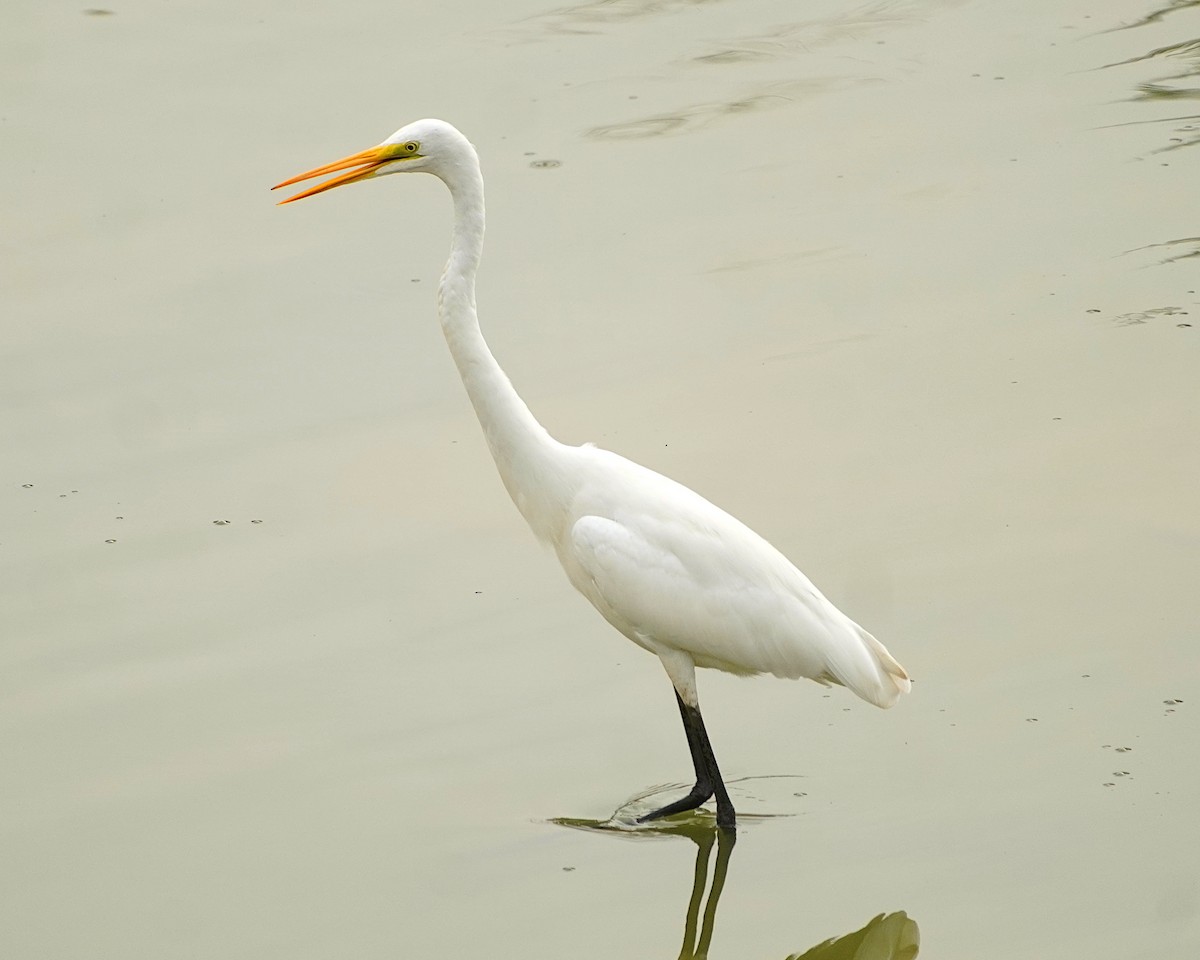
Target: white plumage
671	570
675	574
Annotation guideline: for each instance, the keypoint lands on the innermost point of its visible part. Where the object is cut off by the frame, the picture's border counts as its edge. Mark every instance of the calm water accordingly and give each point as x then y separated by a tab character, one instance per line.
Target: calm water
908	286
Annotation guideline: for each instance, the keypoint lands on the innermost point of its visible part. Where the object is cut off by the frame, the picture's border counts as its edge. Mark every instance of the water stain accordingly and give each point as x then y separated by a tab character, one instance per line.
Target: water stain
1157	16
733	56
755	263
825	346
807	36
590	18
1180	83
1187	51
697	116
1182	249
1145	316
794	39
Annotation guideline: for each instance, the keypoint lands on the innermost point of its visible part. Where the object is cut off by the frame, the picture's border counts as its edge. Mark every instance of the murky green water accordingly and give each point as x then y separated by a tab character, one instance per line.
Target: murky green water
908	286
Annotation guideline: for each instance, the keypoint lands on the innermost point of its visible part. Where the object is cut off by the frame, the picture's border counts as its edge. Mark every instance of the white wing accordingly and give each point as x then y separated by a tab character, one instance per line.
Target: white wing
664	565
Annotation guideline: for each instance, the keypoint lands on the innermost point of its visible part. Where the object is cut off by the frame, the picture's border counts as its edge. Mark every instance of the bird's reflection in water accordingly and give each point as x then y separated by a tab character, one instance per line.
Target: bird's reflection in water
891	936
697	947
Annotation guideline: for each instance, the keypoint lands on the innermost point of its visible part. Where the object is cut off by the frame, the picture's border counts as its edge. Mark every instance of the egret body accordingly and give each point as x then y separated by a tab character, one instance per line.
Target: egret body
675	574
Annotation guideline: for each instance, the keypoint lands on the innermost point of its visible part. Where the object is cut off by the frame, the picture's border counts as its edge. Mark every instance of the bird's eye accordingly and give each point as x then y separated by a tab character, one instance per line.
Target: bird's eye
411	146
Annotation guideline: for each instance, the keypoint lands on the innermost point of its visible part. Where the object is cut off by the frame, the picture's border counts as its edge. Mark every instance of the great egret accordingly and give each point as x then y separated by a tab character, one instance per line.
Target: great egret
676	575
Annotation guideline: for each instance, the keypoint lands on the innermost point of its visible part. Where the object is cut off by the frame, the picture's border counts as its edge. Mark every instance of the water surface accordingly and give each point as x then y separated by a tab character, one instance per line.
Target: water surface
908	286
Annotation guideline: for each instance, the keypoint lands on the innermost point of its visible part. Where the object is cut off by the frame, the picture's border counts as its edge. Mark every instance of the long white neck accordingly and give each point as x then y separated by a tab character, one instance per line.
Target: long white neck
525	454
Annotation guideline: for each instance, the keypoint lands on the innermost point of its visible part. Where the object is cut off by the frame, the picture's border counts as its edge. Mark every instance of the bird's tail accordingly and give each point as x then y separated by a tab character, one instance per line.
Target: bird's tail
871	672
895	678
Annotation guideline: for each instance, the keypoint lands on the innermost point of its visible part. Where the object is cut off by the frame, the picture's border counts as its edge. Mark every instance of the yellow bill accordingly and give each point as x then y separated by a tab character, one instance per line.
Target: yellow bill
364	164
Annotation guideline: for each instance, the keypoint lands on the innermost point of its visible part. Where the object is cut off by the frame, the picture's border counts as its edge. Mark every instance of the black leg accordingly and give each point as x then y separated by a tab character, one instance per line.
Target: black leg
708	776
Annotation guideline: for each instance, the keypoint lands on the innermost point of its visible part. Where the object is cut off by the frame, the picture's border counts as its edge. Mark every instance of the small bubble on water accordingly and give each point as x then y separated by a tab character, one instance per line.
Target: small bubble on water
545	164
110	541
27	485
256	521
222	523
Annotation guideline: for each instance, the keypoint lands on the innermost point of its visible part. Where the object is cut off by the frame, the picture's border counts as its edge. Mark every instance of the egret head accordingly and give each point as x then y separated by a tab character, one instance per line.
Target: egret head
424	146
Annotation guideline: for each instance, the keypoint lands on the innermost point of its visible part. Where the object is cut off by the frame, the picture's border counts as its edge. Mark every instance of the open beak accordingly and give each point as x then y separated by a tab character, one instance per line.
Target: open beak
360	166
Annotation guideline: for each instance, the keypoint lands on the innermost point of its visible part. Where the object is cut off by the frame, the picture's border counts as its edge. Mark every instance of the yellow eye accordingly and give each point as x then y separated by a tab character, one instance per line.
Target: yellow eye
411	146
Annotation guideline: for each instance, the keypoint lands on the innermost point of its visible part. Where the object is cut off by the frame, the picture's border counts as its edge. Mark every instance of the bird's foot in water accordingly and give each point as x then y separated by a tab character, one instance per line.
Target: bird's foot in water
701	792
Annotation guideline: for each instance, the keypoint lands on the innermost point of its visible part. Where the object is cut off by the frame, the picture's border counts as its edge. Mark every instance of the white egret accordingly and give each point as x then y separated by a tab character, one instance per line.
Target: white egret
675	574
